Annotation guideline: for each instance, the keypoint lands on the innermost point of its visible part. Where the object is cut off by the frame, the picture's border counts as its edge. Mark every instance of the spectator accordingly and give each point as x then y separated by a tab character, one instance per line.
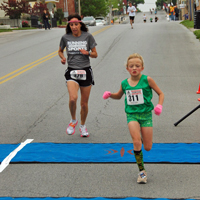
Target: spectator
46	20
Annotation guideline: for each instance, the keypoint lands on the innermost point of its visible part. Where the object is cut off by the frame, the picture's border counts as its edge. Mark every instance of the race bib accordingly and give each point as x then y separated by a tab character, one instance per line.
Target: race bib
134	97
78	74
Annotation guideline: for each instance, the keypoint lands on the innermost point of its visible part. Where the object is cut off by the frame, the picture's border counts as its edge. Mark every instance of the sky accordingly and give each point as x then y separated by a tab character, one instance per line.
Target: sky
148	4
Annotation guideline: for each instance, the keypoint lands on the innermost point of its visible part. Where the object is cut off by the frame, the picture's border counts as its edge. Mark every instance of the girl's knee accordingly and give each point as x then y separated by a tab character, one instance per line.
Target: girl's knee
137	144
147	147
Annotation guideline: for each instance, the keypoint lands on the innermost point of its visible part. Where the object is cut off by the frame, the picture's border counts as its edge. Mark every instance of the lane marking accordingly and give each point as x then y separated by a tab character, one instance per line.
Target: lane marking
7	160
25	68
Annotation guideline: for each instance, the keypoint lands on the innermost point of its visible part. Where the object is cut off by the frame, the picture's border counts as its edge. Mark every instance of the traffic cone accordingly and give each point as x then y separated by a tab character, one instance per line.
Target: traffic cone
198	99
198	92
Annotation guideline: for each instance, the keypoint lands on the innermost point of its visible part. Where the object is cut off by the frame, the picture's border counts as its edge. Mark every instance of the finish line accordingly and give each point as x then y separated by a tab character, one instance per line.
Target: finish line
101	153
95	198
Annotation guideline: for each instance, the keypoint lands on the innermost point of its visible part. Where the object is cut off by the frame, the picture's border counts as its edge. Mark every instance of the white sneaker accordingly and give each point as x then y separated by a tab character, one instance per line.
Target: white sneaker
71	128
142	177
84	132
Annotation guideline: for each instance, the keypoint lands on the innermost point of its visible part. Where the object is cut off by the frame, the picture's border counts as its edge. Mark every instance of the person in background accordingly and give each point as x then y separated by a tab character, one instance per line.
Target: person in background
46	20
176	10
156	18
144	18
171	12
131	12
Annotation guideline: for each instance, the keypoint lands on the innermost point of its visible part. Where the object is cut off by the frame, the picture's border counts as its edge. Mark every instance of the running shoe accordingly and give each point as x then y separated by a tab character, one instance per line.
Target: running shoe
142	177
84	132
71	128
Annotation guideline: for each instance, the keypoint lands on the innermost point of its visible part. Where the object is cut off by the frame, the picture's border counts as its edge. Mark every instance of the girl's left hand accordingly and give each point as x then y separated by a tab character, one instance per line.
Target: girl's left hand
158	109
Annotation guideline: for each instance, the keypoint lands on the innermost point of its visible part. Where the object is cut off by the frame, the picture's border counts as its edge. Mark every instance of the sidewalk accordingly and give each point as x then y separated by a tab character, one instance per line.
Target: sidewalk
118	21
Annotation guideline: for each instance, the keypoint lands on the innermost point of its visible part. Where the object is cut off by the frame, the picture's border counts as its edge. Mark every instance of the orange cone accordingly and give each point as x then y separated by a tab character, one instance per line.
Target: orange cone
198	92
198	99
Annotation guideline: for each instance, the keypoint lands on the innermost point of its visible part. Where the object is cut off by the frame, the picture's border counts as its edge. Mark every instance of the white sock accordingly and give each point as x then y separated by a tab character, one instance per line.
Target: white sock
74	121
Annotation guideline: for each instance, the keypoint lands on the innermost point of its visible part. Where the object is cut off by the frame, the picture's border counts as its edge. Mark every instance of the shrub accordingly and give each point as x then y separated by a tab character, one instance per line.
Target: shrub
25	24
197	33
59	15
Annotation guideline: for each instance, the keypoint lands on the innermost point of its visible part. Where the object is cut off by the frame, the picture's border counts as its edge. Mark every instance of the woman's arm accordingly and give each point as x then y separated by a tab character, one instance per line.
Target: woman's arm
60	53
93	53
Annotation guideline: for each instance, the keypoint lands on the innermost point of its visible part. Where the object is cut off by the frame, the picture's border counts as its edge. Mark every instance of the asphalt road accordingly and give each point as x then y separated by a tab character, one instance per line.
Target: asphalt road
34	105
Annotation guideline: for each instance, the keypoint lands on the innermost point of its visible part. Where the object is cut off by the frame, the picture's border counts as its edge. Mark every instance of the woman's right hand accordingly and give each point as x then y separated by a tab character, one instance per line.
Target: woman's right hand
106	94
63	61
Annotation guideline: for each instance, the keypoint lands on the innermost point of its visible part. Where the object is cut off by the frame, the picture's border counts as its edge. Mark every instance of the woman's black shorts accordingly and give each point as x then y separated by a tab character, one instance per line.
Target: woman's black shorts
131	17
84	77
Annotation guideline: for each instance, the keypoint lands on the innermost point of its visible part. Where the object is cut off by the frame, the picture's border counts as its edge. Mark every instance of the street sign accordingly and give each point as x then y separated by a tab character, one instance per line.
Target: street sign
181	6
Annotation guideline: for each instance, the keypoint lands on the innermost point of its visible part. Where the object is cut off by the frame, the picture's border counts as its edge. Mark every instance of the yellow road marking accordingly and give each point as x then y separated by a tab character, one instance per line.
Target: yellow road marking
25	66
37	62
26	69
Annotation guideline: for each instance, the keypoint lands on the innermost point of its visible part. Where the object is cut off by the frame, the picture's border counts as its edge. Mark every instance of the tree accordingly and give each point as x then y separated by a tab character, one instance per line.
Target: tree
38	9
59	15
160	3
136	2
115	3
101	7
14	9
94	8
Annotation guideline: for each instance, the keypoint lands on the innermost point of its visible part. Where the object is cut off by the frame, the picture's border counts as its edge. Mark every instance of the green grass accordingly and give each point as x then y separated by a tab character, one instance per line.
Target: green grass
188	23
5	30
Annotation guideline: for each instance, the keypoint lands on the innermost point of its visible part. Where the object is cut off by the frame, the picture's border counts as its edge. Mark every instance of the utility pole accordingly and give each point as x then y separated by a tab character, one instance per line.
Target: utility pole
110	14
79	7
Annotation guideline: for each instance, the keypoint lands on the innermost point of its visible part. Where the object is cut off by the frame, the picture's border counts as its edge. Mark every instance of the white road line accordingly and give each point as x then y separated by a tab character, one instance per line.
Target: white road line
7	160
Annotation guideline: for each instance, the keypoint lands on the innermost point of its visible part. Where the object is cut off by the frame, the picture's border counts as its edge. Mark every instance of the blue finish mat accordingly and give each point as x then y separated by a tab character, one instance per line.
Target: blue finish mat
72	198
101	153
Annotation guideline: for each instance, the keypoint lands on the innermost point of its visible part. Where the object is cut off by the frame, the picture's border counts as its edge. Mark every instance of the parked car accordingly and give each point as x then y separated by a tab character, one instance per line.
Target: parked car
90	21
99	22
102	19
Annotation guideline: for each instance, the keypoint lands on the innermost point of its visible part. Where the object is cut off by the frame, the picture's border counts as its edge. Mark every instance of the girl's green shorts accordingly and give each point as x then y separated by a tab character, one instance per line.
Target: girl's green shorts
144	119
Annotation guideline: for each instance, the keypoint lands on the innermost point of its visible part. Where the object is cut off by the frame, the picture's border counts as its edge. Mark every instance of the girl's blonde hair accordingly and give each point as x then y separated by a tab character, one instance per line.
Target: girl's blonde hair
135	55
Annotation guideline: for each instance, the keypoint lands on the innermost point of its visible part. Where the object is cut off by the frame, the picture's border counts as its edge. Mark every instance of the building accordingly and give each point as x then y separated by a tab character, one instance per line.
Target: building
68	6
188	8
1	11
